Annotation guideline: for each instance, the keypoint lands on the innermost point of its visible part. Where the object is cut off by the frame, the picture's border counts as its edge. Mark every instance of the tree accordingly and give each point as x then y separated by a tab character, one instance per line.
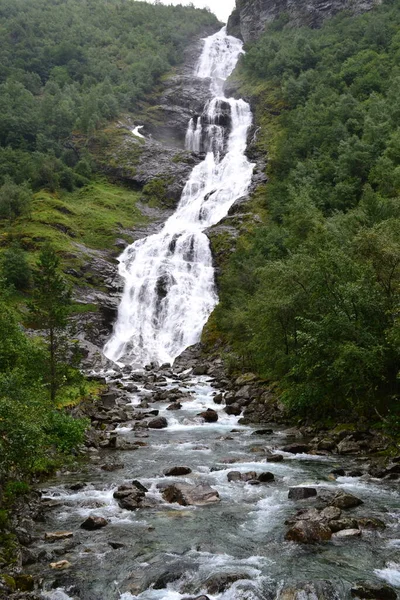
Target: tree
15	268
14	199
49	308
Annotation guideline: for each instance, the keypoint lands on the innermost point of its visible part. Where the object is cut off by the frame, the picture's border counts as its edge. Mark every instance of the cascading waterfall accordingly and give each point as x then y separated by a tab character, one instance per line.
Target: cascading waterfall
169	290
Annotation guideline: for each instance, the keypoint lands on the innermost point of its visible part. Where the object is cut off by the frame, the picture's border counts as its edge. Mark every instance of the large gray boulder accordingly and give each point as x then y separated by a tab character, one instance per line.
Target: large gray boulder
191	495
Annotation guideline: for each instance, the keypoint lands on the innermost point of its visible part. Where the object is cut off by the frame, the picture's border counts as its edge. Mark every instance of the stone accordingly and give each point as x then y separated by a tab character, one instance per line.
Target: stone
263	432
373	591
112	467
191	495
275	458
330	513
296	448
76	487
347	533
219	582
344	501
233	409
370	523
338	472
158	423
340	524
234	476
209	415
348	446
301	493
136	484
316	590
57	536
200	370
175	406
92	523
218	398
308	532
177	471
61	565
266	477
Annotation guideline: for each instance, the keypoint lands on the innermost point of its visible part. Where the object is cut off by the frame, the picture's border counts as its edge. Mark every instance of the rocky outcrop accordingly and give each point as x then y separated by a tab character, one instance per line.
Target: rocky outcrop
250	17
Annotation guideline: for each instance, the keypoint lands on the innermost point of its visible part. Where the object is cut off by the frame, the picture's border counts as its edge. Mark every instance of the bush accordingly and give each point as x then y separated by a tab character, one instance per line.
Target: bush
15	268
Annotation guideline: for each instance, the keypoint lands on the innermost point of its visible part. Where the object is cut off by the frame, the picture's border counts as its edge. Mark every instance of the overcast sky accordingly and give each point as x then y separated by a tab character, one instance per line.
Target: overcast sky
222	8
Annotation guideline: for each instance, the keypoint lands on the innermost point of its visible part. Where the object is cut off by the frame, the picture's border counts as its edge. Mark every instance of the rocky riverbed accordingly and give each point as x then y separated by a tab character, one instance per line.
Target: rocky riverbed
183	497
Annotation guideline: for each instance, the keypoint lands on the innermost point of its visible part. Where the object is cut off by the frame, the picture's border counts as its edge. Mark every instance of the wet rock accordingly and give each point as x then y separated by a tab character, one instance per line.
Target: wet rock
266	477
347	533
234	476
136	484
337	525
209	415
188	495
177	471
338	472
348	446
344	501
296	448
159	423
370	523
92	523
317	590
219	582
28	556
24	583
373	591
129	497
56	536
301	493
197	598
275	458
308	532
330	513
233	409
175	406
218	398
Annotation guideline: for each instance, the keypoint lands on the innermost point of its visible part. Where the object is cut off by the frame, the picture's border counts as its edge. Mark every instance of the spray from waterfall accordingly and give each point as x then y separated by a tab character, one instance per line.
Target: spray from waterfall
169	290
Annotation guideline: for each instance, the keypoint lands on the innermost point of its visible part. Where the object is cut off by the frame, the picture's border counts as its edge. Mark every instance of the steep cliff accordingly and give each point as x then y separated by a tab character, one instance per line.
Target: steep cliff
250	17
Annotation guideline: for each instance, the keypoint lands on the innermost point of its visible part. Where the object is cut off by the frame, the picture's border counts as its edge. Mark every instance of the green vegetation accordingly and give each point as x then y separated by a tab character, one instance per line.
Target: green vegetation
69	67
311	298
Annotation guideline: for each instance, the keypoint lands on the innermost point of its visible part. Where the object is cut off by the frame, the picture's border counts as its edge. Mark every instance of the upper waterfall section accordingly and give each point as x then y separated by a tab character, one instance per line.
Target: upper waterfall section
169	290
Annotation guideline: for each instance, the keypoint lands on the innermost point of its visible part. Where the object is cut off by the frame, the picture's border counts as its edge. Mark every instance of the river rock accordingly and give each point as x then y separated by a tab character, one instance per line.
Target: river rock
234	476
159	423
219	582
275	458
296	448
340	524
92	523
347	533
330	513
301	493
116	545
209	415
129	497
56	536
308	532
175	406
343	500
61	565
200	370
263	432
110	467
187	495
370	523
317	590
218	398
373	591
177	471
348	446
233	409
266	477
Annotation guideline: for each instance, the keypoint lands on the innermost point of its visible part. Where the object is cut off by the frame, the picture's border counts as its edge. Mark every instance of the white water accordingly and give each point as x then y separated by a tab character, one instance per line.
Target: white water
169	289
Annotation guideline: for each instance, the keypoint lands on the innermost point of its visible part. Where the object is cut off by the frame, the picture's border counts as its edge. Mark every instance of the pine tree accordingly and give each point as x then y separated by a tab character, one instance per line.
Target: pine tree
49	308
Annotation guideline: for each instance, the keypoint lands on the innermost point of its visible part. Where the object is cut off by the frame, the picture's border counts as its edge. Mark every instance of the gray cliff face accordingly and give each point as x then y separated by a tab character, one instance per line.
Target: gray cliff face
250	17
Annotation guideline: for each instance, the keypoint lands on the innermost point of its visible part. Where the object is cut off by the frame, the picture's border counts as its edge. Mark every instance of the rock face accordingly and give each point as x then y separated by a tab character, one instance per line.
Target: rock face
250	17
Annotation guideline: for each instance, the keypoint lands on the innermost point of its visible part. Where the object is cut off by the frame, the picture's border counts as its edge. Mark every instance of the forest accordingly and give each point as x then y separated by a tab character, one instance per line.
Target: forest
310	299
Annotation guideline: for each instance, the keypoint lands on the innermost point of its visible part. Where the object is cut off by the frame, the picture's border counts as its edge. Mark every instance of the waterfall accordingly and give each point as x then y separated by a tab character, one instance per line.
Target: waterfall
169	290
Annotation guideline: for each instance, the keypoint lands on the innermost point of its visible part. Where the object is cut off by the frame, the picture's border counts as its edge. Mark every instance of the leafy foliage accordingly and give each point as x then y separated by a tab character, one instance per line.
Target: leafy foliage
311	298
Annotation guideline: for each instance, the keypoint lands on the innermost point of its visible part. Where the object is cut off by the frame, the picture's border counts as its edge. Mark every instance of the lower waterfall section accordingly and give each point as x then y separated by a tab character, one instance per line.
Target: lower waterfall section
169	290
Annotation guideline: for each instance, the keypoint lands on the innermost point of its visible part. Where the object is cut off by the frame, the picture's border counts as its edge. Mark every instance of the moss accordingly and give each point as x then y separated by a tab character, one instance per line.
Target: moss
8	581
156	193
24	583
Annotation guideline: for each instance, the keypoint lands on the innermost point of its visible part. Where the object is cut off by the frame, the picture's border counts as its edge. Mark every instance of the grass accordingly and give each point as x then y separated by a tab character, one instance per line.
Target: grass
93	216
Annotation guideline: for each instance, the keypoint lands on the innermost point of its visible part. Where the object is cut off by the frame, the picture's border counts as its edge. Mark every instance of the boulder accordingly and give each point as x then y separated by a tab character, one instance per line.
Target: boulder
177	471
56	536
308	532
158	423
129	497
370	523
61	565
116	545
200	370
233	409
340	524
343	500
316	590
234	476
92	523
209	415
275	458
219	582
330	513
348	446
266	477
263	432
136	484
301	493
191	495
373	591
218	398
